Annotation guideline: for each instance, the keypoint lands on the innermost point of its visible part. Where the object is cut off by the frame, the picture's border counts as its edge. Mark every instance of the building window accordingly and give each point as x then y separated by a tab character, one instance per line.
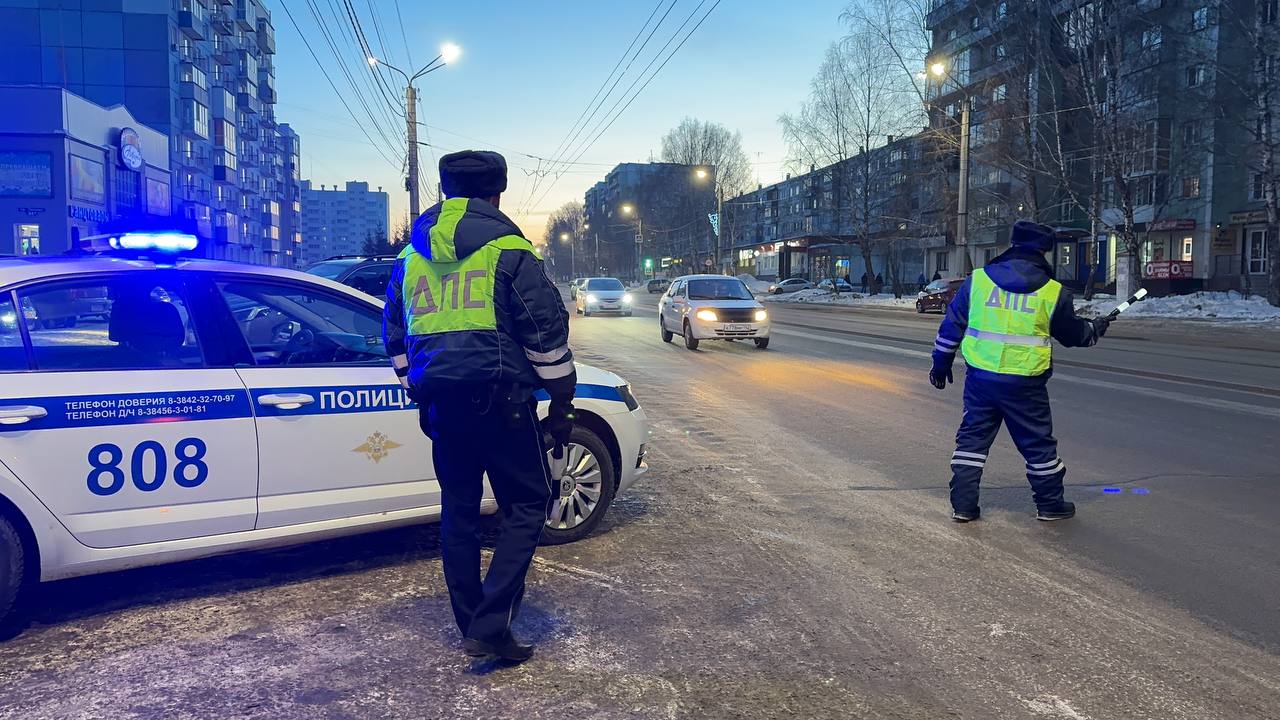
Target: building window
26	239
197	117
128	190
1256	251
1195	76
975	23
941	259
1200	18
1002	10
951	34
1191	134
999	52
1152	37
1268	10
1188	244
999	93
1191	187
1257	187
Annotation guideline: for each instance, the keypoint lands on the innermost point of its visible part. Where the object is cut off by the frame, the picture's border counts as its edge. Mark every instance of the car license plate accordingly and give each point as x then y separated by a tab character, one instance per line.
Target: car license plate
609	306
737	327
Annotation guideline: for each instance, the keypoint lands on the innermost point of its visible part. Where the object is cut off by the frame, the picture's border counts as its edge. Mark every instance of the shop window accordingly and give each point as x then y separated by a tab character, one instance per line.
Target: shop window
26	239
1256	252
1188	244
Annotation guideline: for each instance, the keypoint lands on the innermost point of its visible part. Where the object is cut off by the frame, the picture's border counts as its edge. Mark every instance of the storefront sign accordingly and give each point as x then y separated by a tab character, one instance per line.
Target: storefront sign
26	174
1248	218
1224	242
88	214
1167	225
130	149
1168	270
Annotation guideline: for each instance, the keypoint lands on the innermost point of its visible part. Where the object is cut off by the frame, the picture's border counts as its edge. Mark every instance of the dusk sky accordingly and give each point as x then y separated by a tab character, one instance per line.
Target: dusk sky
527	72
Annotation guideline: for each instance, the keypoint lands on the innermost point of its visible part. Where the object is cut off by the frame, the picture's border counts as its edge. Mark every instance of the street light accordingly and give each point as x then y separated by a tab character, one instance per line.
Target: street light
716	189
573	262
939	70
448	53
629	210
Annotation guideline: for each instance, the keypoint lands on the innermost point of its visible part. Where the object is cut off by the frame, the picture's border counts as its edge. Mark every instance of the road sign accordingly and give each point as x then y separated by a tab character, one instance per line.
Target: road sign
639	239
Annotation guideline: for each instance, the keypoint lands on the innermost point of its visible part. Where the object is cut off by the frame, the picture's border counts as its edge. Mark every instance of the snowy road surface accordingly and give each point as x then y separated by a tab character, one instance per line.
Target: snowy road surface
789	556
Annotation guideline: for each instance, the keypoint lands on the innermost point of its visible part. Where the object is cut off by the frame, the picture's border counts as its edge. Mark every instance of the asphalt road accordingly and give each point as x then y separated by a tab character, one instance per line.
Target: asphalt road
789	556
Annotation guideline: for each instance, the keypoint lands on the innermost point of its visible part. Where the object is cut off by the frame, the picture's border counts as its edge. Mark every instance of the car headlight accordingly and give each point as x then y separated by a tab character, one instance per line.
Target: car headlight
761	316
626	299
592	298
707	315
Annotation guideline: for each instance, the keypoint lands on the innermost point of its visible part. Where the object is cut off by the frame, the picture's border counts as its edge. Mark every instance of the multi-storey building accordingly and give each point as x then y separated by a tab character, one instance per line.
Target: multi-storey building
201	72
654	212
338	221
1130	119
817	225
290	152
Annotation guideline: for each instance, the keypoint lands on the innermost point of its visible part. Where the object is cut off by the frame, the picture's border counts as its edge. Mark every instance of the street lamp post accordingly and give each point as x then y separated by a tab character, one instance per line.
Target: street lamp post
629	210
717	189
573	263
448	53
939	70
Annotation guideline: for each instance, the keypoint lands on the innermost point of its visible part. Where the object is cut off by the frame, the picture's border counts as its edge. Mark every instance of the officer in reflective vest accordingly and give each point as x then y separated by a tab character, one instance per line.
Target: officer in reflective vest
475	328
1002	320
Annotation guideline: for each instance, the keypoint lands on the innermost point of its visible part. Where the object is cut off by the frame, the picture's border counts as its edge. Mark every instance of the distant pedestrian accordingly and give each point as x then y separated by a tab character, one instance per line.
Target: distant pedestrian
864	283
921	281
879	282
937	275
1001	321
848	280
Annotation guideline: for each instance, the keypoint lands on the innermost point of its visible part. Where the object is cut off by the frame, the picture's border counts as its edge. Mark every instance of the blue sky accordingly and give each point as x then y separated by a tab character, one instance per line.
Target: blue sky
528	70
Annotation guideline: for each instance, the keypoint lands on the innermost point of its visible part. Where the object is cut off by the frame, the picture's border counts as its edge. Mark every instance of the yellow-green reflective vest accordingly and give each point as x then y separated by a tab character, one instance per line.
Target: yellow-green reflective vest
445	294
1008	332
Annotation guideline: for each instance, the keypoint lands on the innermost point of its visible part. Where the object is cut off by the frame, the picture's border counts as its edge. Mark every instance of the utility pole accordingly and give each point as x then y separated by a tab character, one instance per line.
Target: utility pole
411	113
962	210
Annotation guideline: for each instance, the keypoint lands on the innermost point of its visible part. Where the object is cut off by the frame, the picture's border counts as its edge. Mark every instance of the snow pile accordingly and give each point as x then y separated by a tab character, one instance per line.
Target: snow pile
754	284
1196	306
819	296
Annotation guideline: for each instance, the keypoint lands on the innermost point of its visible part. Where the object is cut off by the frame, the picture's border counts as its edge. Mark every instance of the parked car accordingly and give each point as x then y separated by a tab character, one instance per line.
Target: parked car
836	284
369	274
937	294
575	286
789	286
658	285
712	307
603	295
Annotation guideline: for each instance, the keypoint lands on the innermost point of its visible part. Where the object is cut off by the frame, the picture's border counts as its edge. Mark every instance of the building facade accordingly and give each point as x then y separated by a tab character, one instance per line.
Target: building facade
652	220
291	197
69	167
338	221
199	71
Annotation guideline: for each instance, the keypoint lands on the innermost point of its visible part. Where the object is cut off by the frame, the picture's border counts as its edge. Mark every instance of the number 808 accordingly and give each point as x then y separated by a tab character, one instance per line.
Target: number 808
106	477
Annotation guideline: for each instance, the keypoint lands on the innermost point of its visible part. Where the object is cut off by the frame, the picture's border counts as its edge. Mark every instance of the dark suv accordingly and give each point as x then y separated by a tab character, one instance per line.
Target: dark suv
368	274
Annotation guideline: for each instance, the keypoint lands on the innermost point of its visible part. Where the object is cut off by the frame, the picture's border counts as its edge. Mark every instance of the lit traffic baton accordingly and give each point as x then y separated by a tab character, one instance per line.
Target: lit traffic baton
1136	297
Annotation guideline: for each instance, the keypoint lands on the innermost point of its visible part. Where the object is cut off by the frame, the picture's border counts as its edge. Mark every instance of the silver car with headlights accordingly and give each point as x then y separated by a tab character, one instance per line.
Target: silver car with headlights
603	295
712	307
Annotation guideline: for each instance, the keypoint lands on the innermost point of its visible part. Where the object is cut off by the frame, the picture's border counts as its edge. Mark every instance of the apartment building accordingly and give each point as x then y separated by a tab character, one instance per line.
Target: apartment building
338	221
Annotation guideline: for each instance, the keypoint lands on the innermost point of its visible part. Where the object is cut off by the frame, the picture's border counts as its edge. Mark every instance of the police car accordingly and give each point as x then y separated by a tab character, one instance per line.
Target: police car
206	407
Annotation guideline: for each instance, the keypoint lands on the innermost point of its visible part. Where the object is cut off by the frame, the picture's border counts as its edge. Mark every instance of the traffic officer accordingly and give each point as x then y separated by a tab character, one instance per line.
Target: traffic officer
474	328
1002	319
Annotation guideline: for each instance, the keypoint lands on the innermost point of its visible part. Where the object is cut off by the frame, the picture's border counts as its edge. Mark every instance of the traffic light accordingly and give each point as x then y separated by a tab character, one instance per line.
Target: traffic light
648	263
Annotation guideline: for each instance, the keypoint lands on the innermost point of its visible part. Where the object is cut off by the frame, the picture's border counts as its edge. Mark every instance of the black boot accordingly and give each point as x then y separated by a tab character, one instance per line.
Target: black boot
966	515
511	650
1062	512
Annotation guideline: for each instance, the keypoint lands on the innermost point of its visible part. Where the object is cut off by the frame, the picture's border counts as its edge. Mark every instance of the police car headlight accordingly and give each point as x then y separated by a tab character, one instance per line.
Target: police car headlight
761	316
626	299
707	315
591	299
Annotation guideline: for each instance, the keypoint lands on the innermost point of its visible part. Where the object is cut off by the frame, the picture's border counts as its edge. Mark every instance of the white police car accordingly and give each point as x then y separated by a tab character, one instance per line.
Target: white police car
182	408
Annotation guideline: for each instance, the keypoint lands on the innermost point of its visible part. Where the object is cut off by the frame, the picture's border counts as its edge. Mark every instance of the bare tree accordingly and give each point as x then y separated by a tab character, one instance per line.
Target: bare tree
565	229
699	142
857	102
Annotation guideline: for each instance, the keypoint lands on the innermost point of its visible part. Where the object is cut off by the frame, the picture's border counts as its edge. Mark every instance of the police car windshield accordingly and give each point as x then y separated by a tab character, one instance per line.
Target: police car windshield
604	284
331	269
718	289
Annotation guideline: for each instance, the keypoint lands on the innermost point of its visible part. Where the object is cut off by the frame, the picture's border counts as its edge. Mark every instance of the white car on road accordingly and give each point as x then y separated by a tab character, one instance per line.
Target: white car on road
215	407
789	286
712	307
604	295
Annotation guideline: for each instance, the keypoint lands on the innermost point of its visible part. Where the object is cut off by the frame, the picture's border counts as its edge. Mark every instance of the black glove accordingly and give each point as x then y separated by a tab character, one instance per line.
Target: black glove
939	376
1100	325
559	425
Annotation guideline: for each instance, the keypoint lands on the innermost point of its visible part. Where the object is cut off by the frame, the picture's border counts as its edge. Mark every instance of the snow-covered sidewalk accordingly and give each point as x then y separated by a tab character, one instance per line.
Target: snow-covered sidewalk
1196	306
818	296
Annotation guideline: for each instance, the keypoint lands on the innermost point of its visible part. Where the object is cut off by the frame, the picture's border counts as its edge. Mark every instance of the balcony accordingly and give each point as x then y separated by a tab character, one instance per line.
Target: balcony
268	122
225	235
248	102
266	37
266	89
221	24
245	17
196	158
224	49
942	10
193	23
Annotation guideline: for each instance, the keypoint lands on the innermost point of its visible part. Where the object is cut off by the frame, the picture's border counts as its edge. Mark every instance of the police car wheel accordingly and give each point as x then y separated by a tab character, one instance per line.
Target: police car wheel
582	495
12	567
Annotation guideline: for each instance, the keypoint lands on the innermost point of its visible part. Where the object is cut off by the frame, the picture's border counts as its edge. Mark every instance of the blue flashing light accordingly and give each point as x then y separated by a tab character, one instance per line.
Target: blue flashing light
1112	490
163	242
1140	491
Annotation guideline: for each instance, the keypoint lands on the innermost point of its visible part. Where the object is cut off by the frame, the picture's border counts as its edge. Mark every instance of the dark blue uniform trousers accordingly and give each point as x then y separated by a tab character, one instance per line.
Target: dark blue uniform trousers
1023	406
473	436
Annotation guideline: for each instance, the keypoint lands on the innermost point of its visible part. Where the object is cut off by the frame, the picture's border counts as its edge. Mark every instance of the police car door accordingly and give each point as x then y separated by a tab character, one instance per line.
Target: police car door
337	437
116	414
